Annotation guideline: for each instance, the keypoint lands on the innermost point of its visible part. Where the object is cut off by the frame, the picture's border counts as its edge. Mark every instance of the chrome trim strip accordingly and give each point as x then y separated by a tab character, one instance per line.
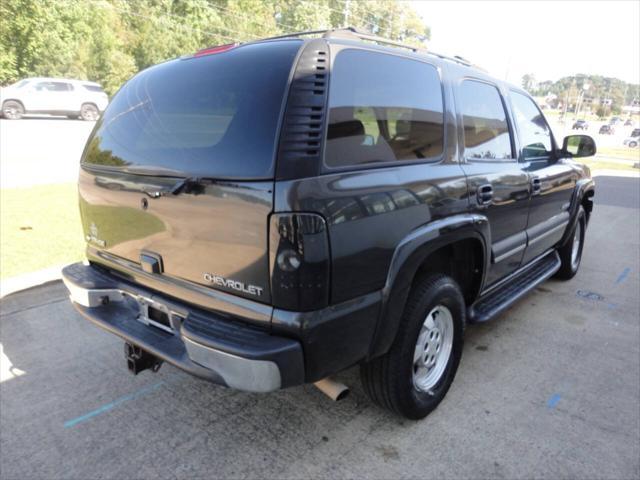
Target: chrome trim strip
563	225
513	251
238	372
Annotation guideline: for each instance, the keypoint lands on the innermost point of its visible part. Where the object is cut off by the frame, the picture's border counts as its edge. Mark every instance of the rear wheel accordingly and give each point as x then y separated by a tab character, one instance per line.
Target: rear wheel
633	144
89	112
12	110
415	375
571	252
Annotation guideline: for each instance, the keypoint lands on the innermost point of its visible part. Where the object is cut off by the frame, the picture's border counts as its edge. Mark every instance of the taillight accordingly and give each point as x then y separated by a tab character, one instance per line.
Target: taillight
299	261
216	49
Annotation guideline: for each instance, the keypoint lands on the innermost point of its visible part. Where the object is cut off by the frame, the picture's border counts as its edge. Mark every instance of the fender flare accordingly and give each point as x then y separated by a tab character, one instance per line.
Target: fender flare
408	257
584	187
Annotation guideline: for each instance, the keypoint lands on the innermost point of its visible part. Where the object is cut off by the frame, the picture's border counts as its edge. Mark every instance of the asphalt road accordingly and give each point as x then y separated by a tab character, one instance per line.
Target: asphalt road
551	389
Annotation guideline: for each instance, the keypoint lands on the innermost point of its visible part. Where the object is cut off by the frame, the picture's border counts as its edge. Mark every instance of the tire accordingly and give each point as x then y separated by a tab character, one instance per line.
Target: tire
89	112
571	251
633	144
12	110
404	384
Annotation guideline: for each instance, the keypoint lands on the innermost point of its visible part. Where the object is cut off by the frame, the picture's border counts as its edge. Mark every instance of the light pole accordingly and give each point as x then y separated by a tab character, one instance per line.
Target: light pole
585	87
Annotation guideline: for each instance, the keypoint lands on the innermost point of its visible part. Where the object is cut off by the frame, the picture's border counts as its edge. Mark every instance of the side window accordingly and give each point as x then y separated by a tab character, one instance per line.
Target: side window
59	87
535	134
383	108
42	86
486	131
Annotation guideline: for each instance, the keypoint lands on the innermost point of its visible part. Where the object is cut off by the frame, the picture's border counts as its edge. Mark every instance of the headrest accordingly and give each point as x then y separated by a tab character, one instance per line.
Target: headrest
350	128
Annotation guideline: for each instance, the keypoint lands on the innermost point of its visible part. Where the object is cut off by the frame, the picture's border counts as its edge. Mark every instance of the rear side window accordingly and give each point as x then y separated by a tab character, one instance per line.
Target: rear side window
212	116
93	88
486	131
383	108
534	133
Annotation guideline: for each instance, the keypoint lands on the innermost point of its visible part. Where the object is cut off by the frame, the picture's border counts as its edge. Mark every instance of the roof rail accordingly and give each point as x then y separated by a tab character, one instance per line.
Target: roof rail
350	33
353	33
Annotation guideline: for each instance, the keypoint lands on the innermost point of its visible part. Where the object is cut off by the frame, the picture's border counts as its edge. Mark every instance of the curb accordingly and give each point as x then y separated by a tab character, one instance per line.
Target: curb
29	280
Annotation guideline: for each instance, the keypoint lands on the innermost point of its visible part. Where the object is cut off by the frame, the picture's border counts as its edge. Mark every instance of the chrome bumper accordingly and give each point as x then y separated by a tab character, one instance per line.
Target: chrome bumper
200	343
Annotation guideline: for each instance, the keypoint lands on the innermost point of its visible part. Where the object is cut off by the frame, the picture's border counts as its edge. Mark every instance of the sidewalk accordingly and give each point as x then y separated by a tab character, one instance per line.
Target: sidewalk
29	280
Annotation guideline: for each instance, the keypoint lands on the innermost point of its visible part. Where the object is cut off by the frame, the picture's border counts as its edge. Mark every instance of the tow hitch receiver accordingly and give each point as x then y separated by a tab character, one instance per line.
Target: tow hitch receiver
139	360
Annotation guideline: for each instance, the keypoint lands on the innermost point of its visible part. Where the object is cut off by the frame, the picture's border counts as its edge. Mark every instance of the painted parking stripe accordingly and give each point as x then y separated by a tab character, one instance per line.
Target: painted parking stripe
111	405
622	277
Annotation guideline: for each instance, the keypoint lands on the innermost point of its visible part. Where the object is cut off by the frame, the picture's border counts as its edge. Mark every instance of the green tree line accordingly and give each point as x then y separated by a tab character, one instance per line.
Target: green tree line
107	41
604	94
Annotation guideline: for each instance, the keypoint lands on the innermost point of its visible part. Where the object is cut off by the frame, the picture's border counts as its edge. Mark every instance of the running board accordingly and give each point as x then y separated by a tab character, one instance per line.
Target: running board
513	290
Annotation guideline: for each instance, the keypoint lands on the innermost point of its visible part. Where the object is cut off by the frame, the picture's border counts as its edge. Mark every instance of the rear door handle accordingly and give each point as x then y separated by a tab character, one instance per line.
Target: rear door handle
485	194
535	186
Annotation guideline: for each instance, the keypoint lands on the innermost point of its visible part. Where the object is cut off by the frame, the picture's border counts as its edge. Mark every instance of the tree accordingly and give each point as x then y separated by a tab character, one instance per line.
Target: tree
109	40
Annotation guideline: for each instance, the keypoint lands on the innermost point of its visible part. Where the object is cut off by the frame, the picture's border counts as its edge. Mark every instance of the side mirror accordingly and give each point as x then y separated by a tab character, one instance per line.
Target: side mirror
577	146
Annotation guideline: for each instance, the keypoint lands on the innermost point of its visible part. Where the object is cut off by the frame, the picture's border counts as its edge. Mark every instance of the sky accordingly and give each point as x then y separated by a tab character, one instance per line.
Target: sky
550	39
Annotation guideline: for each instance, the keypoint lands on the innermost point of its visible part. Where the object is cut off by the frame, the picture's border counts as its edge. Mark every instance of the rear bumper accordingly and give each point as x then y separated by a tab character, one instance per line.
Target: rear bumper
217	349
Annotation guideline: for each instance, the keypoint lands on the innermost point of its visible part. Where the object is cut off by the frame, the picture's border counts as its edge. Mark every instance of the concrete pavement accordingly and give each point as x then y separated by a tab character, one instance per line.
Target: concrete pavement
551	389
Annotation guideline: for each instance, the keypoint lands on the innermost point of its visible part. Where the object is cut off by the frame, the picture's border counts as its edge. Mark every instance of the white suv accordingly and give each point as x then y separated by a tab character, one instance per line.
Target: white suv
53	96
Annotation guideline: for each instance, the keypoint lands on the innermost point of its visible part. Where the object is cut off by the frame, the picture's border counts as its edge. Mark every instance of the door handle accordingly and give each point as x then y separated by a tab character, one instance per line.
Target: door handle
485	194
535	186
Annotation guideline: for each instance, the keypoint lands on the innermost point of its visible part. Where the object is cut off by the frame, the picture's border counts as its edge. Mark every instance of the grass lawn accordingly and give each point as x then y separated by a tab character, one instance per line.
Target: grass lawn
39	228
621	152
597	164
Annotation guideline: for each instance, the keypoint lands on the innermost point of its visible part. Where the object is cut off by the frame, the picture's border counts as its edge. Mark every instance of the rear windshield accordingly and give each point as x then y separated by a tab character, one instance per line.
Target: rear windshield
214	116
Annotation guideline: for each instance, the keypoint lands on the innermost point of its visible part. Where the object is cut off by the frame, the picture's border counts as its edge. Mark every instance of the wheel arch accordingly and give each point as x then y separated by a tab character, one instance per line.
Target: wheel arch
13	100
582	197
428	249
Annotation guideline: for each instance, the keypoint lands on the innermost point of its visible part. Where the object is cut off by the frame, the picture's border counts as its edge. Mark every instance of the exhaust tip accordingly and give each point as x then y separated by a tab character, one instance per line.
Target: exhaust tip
336	391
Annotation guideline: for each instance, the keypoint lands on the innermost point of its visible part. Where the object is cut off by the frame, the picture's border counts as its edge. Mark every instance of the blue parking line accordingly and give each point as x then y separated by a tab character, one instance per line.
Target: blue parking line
622	277
109	406
553	401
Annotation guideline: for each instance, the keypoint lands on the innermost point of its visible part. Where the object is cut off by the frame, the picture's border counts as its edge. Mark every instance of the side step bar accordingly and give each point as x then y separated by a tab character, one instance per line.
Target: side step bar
498	300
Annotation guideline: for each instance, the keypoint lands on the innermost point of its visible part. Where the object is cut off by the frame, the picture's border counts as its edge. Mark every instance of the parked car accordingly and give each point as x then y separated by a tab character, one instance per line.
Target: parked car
53	96
628	123
607	130
580	125
634	139
615	121
284	231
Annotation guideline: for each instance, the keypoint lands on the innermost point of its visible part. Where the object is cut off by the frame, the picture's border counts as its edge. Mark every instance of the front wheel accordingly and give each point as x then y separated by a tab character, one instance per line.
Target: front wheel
633	144
12	110
571	251
413	377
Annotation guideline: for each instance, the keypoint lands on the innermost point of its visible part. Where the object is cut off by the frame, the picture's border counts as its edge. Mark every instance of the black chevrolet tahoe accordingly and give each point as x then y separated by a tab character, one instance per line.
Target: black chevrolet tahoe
269	214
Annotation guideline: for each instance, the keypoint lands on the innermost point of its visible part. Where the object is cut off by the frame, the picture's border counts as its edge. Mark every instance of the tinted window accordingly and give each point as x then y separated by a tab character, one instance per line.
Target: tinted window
53	86
535	135
215	115
382	108
93	88
59	86
486	131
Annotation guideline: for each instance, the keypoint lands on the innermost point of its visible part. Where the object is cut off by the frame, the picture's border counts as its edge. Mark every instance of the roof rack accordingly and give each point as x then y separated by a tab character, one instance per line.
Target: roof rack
353	33
350	33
